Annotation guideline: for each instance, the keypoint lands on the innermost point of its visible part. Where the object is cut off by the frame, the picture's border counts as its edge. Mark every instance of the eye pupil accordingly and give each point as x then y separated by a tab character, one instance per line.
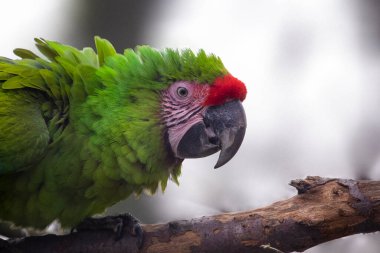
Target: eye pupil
182	91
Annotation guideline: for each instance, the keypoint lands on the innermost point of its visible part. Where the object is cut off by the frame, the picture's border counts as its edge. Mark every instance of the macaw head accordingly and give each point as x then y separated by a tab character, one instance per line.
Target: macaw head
204	118
176	104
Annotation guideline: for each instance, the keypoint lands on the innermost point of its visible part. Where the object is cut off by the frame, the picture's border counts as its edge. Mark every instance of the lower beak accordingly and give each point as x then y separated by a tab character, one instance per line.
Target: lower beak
223	128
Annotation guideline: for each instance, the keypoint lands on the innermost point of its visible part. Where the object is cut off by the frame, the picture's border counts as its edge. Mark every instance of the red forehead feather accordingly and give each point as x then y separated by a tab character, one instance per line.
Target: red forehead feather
226	88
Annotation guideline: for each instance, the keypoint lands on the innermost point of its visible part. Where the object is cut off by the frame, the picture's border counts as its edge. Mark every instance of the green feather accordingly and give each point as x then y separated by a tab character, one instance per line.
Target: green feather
25	54
105	49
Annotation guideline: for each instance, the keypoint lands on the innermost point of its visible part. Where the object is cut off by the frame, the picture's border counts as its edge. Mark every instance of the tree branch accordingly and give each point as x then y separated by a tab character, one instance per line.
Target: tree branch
324	209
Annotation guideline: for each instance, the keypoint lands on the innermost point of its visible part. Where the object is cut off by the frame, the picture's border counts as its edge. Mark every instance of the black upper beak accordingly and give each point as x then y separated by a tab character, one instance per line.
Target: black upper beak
223	129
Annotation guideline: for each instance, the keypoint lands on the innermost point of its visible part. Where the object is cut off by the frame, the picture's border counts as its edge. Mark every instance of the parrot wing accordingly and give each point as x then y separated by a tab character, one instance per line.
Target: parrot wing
36	94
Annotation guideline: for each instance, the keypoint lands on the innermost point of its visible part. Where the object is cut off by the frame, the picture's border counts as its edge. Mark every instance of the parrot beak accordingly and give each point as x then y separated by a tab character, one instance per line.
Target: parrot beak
223	128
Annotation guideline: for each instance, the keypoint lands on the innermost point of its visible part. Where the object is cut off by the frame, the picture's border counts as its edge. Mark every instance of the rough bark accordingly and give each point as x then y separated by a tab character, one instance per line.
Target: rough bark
324	209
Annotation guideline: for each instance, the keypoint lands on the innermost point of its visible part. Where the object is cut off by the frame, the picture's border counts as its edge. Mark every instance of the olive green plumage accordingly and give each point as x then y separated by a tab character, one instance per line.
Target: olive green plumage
81	130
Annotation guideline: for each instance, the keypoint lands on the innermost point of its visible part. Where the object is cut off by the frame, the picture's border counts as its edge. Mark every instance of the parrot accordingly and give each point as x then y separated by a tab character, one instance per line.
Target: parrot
82	129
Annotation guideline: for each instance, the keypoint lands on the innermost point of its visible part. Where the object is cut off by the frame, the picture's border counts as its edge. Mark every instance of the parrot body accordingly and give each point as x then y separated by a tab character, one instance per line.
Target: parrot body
80	131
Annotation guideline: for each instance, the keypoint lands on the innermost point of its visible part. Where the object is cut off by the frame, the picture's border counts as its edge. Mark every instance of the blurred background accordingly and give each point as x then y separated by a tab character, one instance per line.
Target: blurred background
312	69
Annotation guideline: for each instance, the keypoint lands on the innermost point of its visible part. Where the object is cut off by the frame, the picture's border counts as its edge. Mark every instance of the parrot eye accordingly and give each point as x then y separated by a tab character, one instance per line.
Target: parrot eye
182	92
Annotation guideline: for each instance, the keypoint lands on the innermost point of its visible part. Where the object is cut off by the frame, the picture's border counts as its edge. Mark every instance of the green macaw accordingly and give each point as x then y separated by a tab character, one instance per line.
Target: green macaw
80	130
